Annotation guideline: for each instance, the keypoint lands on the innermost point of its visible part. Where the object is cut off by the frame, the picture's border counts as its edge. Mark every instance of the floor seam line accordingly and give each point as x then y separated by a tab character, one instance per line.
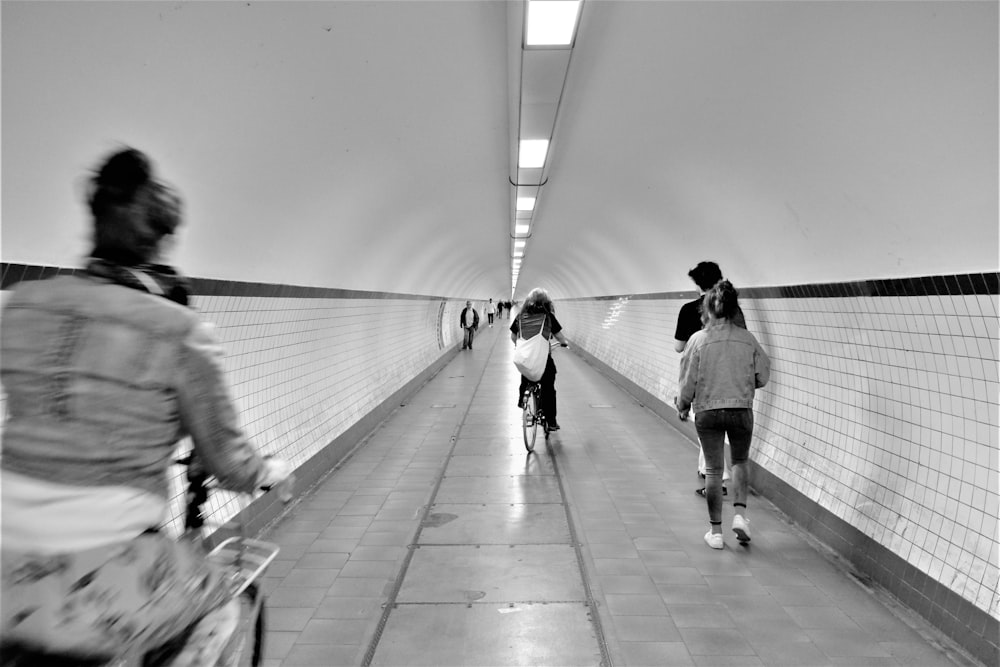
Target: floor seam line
404	568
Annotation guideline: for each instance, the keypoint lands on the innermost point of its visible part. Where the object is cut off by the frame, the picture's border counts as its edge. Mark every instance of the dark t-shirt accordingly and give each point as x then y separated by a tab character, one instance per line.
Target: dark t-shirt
689	320
533	321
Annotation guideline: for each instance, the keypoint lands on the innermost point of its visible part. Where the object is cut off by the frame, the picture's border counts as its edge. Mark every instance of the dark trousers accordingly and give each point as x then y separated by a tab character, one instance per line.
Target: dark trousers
712	427
548	389
470	333
491	317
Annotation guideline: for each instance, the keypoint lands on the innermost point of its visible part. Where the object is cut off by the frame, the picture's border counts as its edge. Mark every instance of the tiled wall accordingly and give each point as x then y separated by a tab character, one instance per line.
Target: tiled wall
305	364
304	370
882	406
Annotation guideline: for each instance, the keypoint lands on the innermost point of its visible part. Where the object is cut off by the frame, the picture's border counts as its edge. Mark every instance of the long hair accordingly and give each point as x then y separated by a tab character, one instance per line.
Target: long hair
721	301
538	301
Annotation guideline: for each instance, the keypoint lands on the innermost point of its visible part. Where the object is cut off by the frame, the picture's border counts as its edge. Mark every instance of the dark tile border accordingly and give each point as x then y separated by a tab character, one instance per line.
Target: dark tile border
961	284
16	273
944	285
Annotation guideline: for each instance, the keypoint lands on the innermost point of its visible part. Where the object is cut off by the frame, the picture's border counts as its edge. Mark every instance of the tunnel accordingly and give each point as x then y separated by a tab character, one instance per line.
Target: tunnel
352	173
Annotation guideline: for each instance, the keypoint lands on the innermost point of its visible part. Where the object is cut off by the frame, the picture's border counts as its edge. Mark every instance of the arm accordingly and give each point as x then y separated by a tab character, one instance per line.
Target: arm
679	345
761	365
561	338
688	380
207	413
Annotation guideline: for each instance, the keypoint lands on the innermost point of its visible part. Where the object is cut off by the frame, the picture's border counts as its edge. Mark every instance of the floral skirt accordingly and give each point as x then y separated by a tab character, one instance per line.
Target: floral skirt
101	602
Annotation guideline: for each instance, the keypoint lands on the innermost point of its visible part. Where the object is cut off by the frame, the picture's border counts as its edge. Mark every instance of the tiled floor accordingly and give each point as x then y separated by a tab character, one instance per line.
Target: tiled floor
441	542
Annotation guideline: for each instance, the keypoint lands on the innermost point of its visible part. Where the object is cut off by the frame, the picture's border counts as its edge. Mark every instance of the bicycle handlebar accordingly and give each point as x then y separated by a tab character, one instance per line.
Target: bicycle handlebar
196	495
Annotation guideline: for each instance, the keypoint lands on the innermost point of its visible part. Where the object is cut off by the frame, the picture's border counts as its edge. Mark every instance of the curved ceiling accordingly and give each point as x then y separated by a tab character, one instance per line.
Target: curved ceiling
368	145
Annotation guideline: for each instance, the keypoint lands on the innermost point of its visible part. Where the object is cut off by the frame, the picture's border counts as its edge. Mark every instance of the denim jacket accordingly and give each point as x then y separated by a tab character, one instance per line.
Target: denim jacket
721	367
102	381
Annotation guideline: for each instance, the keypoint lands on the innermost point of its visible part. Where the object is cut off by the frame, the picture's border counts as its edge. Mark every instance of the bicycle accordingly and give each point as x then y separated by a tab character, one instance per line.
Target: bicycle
245	559
532	414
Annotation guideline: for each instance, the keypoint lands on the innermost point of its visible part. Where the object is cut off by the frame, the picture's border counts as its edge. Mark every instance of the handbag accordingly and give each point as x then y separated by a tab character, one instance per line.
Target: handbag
531	354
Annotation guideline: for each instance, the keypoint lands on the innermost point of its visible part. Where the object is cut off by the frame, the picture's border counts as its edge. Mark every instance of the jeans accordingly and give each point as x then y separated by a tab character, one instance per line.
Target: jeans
712	427
547	399
469	335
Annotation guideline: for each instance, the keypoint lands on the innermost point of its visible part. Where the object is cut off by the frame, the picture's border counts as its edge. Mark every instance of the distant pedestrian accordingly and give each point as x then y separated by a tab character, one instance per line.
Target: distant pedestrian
691	320
491	311
499	310
469	321
722	366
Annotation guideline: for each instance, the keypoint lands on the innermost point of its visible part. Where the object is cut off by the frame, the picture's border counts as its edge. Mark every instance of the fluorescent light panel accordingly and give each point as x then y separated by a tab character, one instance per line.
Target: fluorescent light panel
551	22
525	203
520	229
532	153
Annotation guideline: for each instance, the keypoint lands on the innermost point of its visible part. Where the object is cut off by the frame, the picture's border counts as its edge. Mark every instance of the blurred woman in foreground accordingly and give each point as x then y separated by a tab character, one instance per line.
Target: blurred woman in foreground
104	373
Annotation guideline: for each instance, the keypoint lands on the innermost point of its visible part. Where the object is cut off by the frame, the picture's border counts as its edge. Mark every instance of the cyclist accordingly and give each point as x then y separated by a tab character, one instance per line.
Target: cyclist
537	316
105	371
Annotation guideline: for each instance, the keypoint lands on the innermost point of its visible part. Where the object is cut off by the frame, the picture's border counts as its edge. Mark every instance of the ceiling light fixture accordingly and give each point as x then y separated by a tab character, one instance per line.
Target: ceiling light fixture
541	37
551	22
532	153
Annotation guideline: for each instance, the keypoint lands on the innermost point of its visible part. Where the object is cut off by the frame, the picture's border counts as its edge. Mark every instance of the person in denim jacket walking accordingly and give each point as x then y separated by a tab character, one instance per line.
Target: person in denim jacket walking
722	366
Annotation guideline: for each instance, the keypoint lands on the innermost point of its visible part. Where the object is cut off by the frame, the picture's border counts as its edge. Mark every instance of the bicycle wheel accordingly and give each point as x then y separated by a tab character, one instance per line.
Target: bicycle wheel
246	649
529	423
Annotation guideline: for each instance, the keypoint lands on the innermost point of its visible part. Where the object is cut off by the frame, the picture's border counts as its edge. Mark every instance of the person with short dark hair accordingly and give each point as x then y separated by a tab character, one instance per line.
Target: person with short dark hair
690	320
722	366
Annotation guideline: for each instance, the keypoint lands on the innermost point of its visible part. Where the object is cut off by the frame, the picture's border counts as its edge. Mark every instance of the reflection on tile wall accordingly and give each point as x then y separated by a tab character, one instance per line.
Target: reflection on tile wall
304	364
882	406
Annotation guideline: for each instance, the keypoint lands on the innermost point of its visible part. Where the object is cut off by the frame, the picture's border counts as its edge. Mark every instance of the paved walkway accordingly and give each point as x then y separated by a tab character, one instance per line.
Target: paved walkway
441	542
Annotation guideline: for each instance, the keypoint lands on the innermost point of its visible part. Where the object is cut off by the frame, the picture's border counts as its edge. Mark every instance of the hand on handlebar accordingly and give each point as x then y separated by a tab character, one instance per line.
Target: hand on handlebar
278	476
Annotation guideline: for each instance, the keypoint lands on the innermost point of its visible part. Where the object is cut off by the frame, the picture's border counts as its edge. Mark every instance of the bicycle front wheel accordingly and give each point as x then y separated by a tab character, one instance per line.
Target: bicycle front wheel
246	649
529	420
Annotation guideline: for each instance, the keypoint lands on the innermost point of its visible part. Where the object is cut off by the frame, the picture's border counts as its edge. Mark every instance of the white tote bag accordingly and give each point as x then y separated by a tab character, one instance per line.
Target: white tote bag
531	354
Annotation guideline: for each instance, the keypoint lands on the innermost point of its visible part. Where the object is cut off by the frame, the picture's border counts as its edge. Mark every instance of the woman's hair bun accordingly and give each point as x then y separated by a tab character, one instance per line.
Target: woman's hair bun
722	300
124	173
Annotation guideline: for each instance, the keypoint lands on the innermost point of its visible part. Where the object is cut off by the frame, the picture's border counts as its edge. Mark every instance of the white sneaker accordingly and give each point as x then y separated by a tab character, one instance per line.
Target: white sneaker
741	526
714	540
